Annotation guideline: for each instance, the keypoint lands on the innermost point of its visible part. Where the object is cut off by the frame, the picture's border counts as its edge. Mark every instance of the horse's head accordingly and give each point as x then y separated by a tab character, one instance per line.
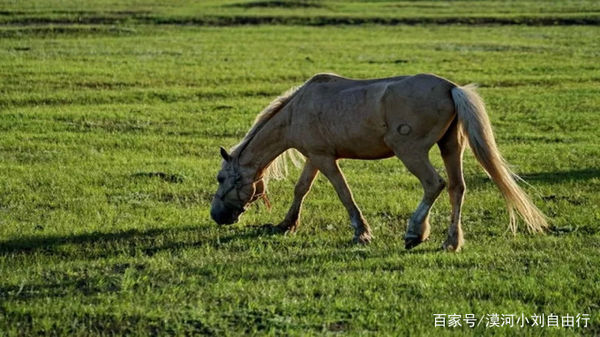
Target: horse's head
237	189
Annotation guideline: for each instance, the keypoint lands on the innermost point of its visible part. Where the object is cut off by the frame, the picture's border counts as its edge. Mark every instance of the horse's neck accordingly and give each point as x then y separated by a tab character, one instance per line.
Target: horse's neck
268	143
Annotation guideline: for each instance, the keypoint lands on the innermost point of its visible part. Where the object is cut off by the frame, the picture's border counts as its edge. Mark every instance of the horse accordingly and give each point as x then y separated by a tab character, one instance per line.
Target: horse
331	117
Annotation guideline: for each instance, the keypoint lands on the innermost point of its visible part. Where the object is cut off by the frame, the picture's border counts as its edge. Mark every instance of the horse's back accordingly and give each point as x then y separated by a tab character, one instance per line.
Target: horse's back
337	81
352	117
339	96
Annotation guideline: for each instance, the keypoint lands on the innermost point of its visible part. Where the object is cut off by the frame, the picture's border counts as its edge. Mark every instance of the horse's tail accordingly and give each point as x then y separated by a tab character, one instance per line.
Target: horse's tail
476	124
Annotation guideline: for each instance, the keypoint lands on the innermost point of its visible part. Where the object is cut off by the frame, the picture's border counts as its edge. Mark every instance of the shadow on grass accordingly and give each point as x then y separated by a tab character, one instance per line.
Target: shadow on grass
149	242
139	240
85	286
86	323
31	244
555	177
561	176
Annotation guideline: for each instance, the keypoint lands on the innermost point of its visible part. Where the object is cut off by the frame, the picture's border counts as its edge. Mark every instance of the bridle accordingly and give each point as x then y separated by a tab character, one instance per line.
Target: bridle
255	197
262	195
236	207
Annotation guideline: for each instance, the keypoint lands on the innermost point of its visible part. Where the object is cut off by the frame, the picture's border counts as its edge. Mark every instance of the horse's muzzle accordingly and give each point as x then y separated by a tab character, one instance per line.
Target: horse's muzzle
224	216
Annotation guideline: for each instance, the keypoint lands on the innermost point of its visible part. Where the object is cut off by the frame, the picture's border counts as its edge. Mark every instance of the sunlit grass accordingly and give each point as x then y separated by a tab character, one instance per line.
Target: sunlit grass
109	149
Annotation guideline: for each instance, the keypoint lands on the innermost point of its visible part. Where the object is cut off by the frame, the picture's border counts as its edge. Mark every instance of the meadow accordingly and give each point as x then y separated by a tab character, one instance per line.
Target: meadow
112	114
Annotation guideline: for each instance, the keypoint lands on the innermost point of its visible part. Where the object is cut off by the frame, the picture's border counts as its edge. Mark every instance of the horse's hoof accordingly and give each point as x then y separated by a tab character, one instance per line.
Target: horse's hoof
411	241
363	238
453	243
284	228
451	247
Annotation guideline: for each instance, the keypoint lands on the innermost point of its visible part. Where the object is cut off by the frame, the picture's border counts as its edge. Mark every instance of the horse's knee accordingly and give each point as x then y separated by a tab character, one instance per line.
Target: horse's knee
436	187
441	183
457	188
432	188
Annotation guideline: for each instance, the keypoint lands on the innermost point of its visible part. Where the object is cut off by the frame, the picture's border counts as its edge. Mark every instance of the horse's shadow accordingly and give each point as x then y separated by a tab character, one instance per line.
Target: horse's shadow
148	242
106	243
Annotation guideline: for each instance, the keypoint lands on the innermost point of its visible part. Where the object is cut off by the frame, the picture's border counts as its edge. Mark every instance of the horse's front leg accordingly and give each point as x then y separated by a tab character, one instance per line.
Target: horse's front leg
330	168
290	223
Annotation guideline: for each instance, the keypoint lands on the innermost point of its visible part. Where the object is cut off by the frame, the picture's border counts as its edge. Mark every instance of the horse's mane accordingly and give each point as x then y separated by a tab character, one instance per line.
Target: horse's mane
278	167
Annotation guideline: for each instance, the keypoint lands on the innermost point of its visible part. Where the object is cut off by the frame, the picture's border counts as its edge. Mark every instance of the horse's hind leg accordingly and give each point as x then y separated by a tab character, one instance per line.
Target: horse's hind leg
417	162
290	223
452	146
330	168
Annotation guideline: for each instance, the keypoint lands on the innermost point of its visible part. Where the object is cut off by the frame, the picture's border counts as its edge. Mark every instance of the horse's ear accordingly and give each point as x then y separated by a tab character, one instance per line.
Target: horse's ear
225	155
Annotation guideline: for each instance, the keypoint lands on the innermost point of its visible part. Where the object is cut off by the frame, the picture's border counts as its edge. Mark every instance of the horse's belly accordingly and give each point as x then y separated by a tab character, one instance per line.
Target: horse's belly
364	153
360	140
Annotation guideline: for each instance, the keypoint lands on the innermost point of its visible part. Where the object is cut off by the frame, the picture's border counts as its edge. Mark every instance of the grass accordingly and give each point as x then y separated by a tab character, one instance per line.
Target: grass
109	151
307	12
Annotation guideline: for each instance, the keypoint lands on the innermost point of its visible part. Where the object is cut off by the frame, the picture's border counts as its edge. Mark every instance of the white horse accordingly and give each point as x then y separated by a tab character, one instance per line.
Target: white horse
332	117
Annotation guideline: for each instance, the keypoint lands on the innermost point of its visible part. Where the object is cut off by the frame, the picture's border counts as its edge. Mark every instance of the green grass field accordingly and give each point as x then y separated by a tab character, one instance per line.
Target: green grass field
111	116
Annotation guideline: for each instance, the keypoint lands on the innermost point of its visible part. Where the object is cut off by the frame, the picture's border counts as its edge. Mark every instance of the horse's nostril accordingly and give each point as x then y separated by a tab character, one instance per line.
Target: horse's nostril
216	216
